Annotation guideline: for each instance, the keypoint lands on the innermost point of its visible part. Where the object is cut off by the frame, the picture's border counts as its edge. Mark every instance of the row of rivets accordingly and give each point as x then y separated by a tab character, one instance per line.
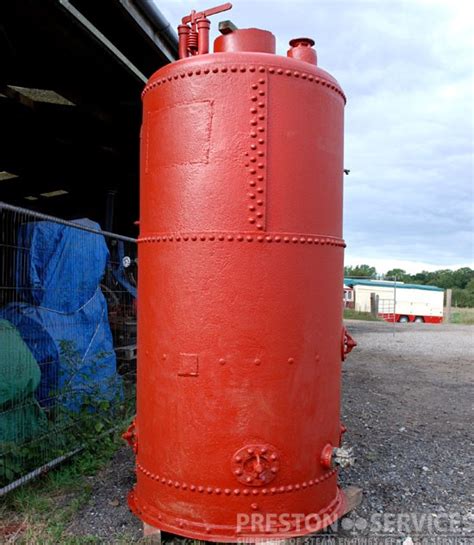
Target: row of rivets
243	69
236	491
256	361
255	158
248	238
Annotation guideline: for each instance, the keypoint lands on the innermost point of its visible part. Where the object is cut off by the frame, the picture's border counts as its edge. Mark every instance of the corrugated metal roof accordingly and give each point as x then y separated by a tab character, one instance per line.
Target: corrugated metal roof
385	284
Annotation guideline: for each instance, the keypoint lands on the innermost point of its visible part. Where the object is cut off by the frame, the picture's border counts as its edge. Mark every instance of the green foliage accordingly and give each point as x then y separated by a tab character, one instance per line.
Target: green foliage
462	316
463	298
445	278
64	430
358	271
420	278
45	507
398	274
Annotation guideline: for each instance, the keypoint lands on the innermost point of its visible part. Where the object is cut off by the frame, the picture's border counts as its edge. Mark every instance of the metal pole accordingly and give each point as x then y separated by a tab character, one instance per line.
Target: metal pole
38	471
53	463
394	303
46	217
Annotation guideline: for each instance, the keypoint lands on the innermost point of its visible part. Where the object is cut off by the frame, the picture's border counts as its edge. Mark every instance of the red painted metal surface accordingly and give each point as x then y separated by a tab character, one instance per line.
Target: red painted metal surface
241	267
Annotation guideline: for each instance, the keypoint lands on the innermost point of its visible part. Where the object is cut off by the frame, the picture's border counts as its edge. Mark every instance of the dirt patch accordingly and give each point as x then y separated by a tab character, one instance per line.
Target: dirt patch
107	516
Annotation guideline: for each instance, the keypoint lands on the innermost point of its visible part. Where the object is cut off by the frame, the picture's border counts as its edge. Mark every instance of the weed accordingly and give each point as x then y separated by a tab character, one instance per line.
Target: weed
40	512
351	314
462	316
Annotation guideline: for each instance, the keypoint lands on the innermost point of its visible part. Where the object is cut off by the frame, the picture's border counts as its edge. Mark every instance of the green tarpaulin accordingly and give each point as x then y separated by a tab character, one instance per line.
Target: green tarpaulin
20	415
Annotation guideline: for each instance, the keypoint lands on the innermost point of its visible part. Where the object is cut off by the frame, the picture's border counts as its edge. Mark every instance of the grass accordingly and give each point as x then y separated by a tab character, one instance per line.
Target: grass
458	316
351	314
462	316
40	512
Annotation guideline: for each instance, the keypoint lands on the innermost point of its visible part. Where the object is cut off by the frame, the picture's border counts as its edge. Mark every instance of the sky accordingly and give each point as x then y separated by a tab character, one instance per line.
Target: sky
407	69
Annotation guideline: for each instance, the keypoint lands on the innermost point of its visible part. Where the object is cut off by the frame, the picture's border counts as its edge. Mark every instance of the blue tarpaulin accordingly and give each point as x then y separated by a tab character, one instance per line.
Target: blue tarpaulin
63	314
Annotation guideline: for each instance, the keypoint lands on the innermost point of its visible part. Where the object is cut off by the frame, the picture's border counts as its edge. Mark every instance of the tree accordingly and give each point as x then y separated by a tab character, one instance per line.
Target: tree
462	277
421	277
358	271
470	286
399	274
463	298
444	278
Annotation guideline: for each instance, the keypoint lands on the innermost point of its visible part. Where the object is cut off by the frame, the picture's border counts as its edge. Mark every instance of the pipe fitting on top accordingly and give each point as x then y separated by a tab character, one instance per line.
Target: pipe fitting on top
302	49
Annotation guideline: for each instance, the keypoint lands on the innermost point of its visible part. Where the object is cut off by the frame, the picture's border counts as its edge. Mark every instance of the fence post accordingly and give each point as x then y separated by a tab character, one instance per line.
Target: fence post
449	295
374	304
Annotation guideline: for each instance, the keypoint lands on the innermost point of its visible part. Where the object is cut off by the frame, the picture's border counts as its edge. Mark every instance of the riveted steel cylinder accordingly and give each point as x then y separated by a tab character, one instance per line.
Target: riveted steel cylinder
241	275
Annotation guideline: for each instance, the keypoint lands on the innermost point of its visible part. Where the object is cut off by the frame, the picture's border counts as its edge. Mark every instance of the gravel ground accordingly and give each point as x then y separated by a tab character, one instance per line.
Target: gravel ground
407	405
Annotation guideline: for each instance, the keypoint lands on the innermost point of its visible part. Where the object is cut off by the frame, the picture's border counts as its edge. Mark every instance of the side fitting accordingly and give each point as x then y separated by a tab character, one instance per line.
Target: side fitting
130	436
348	343
342	456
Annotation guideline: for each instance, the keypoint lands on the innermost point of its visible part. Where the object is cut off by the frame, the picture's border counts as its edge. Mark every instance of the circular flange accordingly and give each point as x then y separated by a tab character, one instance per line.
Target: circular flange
256	465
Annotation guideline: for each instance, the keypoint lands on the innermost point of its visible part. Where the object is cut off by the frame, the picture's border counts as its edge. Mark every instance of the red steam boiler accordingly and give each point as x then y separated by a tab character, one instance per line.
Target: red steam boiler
240	333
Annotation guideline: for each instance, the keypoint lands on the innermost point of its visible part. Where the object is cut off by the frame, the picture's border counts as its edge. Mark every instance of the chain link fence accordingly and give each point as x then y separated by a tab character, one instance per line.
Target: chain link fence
67	338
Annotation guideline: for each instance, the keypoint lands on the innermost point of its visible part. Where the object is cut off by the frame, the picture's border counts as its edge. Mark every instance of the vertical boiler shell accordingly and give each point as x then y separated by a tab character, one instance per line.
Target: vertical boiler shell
241	275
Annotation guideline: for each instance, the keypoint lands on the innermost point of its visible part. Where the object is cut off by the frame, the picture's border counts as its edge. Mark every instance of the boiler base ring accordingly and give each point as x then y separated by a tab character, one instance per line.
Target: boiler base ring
229	534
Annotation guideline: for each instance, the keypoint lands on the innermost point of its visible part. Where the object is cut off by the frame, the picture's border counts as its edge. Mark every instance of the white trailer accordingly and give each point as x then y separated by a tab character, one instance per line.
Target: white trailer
396	301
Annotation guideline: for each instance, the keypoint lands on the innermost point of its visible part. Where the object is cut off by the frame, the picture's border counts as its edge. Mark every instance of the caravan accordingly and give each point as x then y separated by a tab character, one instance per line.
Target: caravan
397	301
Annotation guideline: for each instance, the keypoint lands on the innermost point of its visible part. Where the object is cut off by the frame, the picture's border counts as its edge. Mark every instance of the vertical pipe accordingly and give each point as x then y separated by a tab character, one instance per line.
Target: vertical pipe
203	26
183	33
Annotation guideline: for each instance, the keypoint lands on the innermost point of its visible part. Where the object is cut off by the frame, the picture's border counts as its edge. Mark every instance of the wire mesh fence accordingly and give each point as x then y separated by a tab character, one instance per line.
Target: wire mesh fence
67	338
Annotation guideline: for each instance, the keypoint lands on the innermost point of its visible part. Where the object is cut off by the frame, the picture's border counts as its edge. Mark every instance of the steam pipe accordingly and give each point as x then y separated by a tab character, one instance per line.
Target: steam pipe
203	33
183	33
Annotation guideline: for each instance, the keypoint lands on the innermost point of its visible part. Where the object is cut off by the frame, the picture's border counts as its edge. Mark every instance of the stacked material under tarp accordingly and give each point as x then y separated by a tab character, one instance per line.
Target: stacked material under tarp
21	418
63	314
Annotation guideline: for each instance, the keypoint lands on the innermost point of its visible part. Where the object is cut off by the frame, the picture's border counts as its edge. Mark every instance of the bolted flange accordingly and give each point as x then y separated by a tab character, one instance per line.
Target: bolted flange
256	465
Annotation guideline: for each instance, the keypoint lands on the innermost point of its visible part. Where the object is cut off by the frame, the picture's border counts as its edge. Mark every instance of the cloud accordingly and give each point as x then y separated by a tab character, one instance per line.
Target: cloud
409	140
407	69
